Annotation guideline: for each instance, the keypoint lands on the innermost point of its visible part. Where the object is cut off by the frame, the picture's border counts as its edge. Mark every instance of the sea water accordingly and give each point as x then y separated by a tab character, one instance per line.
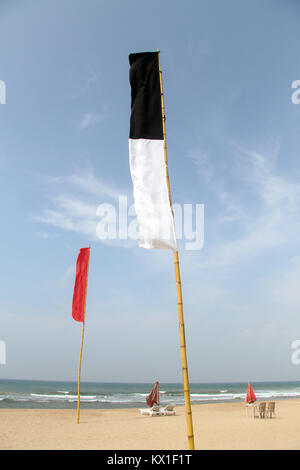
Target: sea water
50	394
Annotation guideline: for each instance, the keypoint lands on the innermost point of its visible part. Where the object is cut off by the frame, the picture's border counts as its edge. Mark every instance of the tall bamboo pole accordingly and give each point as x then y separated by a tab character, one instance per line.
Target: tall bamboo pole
81	345
186	386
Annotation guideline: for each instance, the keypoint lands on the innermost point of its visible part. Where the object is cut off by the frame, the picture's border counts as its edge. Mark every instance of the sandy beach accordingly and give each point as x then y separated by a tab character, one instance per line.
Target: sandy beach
216	426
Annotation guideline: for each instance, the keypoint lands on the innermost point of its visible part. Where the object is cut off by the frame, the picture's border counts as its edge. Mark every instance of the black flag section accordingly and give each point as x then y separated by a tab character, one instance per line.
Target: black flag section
146	115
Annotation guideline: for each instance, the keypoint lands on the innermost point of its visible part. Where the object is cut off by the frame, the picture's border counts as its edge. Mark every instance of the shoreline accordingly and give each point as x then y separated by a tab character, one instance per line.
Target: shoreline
88	406
18	394
217	426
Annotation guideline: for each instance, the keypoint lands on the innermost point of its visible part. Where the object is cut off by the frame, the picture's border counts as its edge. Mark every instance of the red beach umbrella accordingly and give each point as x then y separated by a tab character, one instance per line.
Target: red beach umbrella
250	397
153	396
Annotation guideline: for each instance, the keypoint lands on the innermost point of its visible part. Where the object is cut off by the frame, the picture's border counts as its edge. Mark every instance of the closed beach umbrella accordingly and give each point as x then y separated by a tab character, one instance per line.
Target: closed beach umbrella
250	397
153	396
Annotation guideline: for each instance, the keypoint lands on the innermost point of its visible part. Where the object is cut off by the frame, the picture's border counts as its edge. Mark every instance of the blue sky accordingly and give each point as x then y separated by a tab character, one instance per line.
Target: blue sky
233	145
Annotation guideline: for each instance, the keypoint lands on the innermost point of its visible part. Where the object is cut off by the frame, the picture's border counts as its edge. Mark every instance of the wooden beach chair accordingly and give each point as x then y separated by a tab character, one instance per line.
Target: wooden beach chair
169	410
261	409
270	410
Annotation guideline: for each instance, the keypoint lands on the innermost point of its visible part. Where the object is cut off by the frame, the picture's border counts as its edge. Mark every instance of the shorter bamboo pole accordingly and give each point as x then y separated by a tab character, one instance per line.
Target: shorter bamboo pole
79	372
186	385
81	345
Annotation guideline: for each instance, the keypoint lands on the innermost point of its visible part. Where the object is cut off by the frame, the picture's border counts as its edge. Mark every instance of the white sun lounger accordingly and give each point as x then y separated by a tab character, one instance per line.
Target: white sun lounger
154	411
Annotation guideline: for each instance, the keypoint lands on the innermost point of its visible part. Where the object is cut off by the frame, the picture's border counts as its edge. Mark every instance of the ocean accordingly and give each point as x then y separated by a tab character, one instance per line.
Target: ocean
46	394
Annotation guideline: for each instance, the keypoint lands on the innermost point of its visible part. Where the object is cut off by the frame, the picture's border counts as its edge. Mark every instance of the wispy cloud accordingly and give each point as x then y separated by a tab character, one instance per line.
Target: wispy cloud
88	183
72	206
259	212
71	215
88	119
46	235
91	118
67	275
202	163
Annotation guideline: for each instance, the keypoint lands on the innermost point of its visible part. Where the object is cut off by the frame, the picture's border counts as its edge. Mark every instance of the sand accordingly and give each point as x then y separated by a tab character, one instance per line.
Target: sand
216	426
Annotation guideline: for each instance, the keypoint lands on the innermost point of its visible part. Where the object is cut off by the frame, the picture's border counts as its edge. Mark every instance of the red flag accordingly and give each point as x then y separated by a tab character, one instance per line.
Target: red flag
153	396
250	397
79	295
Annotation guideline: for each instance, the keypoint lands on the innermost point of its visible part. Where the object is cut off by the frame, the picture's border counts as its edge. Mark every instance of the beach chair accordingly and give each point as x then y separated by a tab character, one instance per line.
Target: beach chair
154	411
261	409
169	410
270	410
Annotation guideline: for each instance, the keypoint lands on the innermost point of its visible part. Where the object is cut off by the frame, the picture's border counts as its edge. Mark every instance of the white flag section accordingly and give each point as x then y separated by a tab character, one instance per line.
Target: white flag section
150	192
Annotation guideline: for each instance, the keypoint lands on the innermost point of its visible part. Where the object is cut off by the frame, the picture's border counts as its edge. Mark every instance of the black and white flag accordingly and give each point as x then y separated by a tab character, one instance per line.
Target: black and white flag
146	154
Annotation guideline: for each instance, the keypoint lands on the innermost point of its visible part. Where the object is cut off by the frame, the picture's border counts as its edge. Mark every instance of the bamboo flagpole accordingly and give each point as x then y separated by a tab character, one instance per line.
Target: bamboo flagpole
149	173
79	304
186	386
79	371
